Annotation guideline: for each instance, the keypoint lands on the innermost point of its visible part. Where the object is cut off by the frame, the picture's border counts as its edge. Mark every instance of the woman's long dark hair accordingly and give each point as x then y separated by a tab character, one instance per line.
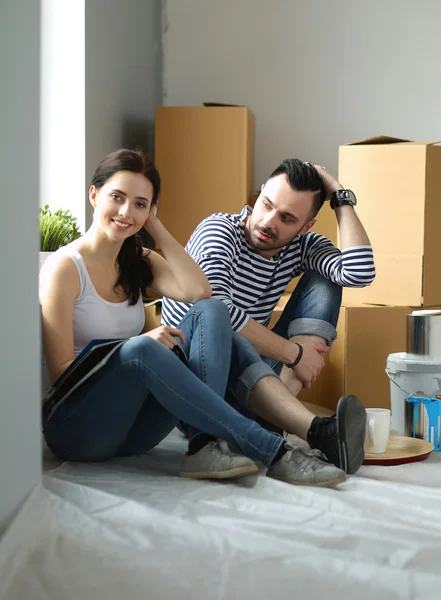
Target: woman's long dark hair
135	273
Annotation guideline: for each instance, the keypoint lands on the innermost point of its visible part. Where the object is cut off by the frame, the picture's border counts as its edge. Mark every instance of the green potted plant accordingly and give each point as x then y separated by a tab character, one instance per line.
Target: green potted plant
56	229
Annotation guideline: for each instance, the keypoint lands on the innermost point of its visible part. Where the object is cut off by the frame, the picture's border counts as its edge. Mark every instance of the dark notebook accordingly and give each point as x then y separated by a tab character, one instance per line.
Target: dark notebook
90	360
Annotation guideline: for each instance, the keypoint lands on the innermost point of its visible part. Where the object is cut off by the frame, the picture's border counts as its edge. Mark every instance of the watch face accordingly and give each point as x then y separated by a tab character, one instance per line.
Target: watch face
347	196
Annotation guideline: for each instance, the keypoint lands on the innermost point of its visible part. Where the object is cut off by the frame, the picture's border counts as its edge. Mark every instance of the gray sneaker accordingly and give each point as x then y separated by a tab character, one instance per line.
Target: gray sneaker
303	466
217	460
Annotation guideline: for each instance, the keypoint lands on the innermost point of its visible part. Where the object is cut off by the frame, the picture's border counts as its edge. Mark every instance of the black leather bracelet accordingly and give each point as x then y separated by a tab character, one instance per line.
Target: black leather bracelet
298	359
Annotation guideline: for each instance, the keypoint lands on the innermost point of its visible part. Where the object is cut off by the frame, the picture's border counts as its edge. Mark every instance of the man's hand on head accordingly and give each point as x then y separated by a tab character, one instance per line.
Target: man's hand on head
330	182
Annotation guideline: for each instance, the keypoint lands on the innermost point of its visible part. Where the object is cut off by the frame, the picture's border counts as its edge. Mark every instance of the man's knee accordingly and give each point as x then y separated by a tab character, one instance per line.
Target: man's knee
314	281
328	287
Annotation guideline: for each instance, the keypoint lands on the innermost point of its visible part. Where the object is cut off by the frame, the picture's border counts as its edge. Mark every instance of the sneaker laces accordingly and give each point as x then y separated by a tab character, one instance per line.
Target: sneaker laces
303	456
327	420
223	447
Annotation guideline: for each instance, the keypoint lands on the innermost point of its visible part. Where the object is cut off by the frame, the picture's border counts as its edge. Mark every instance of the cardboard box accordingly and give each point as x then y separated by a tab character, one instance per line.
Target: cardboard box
397	186
357	360
277	312
205	156
152	315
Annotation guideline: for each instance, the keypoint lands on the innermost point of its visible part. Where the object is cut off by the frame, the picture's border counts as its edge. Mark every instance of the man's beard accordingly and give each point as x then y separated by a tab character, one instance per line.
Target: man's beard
259	244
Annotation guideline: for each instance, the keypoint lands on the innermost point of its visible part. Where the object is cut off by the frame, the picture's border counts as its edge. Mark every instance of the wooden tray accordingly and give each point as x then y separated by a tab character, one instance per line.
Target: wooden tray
400	450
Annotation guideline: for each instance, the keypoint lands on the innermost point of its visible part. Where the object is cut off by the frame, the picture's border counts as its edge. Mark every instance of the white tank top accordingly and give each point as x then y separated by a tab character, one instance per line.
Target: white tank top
94	317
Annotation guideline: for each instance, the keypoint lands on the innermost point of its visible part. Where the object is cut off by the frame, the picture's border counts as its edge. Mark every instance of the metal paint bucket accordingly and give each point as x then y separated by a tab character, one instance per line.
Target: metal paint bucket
424	333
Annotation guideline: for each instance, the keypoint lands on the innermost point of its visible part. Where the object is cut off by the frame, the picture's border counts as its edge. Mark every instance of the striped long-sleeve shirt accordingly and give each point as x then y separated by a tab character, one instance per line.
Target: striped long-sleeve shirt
250	284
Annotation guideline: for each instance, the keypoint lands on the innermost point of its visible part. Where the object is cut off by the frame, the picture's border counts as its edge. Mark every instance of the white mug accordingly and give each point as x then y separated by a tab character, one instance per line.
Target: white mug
377	430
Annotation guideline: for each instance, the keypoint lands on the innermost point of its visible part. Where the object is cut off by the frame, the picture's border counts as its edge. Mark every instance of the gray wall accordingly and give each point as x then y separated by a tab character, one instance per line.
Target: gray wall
20	455
123	76
316	73
123	85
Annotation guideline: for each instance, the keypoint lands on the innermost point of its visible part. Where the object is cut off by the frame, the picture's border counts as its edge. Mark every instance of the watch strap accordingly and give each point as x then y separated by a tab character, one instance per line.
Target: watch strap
342	198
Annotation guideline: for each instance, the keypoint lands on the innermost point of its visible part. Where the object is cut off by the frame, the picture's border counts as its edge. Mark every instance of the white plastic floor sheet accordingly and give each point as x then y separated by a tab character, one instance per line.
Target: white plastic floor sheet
132	529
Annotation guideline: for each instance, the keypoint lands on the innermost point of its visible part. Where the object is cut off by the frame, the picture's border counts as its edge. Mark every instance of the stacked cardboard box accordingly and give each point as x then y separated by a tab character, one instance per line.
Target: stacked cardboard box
366	335
205	155
399	203
397	185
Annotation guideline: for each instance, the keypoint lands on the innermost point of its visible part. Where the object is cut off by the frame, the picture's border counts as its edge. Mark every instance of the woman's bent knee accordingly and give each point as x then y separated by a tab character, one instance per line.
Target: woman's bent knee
141	347
212	306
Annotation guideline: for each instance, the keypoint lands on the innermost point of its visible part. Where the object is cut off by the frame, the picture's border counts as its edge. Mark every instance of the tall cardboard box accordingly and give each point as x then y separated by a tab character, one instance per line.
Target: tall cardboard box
356	363
205	155
397	184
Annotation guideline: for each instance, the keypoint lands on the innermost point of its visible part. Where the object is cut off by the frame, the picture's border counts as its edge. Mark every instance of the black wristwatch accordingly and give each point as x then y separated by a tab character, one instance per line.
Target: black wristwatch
343	198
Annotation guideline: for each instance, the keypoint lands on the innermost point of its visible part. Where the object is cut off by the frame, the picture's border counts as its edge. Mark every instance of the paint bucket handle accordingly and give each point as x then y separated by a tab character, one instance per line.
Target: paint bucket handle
394	382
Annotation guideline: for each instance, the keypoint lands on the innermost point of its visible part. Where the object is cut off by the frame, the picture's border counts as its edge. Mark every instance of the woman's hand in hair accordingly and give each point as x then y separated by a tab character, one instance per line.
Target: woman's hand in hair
166	335
175	274
151	218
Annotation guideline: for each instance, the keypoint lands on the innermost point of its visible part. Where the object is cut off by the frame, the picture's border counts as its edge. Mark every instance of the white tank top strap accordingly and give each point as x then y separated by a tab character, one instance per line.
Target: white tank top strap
82	271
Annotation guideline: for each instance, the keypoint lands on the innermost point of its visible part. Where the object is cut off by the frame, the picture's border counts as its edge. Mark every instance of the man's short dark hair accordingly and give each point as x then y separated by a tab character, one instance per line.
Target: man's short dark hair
303	177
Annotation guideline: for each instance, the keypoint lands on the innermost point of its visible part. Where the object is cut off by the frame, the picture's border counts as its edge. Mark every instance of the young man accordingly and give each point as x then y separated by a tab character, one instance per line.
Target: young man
249	258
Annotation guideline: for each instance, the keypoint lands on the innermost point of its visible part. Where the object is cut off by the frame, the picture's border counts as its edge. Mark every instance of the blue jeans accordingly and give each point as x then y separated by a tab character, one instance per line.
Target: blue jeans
136	399
313	309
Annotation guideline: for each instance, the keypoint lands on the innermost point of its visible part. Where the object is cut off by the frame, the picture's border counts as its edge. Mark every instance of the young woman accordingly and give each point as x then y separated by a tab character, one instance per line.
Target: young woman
92	289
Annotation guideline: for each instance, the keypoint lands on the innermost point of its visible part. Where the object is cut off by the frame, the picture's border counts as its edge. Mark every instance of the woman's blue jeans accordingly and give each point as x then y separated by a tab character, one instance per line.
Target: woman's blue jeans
134	402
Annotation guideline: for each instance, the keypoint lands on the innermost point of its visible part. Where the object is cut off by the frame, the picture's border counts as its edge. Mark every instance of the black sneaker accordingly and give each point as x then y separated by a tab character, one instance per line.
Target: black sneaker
341	437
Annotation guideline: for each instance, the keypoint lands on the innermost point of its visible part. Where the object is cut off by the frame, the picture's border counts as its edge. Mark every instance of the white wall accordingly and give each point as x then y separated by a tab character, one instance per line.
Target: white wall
101	81
123	76
62	143
20	456
316	73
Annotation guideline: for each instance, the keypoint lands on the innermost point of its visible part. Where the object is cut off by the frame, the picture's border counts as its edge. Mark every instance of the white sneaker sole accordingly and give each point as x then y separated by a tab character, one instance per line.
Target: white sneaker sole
324	484
231	473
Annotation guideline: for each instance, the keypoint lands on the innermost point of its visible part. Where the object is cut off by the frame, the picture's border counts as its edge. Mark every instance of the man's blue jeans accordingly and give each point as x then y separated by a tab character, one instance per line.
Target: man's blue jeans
313	309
